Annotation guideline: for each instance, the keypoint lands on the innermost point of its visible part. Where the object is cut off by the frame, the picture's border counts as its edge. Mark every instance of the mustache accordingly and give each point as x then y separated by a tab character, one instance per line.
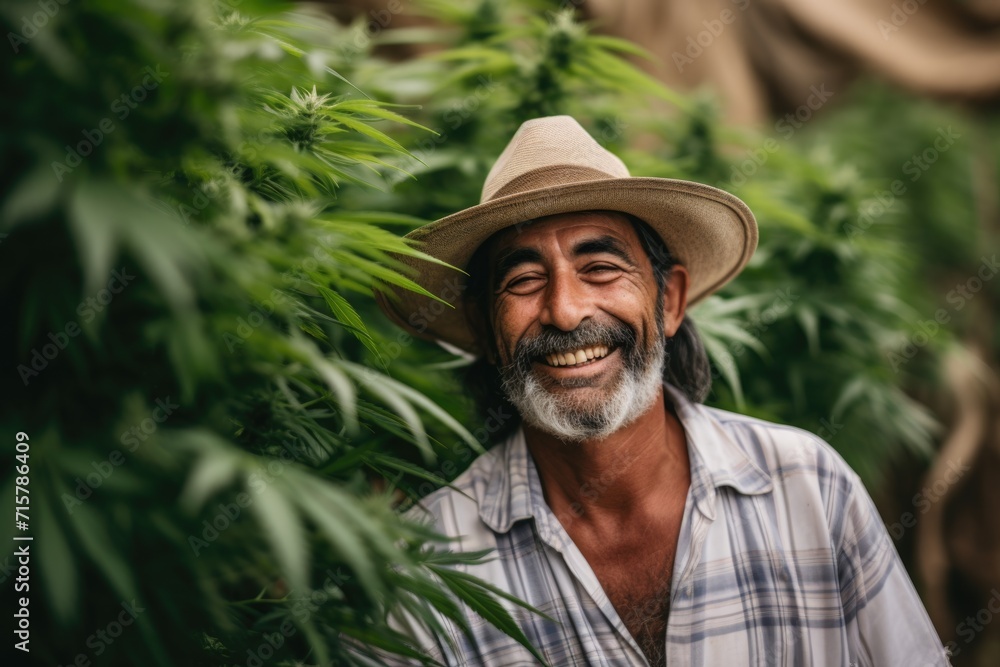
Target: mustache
614	334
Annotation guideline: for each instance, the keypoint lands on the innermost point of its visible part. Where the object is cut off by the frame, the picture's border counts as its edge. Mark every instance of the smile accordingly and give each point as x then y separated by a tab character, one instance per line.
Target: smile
578	357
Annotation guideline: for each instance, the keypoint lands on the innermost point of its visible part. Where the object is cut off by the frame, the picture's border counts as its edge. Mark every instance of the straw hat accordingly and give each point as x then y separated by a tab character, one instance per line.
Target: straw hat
550	166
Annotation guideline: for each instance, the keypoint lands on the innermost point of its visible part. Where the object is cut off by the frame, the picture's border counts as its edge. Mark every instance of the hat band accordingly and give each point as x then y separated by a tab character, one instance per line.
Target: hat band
547	177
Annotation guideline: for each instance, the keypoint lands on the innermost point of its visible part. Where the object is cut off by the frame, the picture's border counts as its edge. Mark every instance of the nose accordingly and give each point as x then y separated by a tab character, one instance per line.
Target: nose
567	302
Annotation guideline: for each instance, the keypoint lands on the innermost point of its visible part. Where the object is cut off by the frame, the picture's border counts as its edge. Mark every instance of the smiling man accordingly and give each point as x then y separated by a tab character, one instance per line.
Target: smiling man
651	529
577	323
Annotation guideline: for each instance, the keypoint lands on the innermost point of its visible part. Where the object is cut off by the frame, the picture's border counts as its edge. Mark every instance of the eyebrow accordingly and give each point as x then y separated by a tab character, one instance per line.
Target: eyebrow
512	259
602	244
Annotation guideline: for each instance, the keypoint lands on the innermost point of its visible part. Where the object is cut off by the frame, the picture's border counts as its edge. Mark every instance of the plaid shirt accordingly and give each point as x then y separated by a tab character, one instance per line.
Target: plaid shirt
782	559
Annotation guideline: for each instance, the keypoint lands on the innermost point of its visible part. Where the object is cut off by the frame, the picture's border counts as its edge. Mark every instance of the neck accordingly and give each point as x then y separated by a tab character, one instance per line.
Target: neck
620	476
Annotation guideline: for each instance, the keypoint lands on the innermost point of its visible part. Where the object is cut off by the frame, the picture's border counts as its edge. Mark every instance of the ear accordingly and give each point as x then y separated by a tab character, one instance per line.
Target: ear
675	299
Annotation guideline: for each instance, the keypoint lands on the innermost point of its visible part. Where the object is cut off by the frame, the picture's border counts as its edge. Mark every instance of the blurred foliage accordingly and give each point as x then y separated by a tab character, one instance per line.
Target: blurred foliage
181	347
944	163
251	195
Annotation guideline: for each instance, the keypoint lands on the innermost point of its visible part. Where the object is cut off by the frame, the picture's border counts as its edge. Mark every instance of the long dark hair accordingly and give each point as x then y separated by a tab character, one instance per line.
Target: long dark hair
687	366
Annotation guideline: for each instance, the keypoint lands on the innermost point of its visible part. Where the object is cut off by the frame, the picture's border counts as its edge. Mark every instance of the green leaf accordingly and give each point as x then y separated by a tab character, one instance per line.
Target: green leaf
281	526
809	321
851	393
342	389
32	196
380	461
96	234
470	590
726	364
58	566
316	640
345	313
390	641
341	535
213	471
418	398
92	531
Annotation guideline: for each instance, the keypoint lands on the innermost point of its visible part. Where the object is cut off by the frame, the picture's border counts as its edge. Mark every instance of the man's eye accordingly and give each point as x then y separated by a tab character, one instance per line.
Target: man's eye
603	271
524	284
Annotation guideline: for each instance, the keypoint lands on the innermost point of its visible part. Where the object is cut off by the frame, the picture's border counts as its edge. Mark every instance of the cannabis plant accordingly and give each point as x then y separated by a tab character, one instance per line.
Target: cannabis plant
203	414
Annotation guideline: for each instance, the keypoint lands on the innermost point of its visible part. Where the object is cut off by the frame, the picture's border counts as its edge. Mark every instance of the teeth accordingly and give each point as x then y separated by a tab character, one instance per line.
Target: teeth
574	357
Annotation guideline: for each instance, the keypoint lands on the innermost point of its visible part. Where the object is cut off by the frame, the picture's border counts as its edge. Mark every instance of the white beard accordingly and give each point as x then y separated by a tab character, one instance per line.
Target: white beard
562	417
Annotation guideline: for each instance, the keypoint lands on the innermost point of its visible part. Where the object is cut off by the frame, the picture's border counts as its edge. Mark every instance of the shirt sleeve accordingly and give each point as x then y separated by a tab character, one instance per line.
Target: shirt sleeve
887	622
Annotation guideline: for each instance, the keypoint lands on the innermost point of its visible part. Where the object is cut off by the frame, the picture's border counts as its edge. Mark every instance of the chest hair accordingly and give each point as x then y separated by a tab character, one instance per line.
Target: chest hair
639	589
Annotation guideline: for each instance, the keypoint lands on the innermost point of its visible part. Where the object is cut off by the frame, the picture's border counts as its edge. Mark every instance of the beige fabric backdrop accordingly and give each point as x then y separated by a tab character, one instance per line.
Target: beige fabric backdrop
764	61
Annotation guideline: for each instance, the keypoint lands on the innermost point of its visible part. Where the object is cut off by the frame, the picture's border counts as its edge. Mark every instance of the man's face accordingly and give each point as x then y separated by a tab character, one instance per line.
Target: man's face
578	323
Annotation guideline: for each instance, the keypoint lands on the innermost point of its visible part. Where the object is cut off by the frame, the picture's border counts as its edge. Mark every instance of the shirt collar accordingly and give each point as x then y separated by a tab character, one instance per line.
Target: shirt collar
507	497
513	492
717	459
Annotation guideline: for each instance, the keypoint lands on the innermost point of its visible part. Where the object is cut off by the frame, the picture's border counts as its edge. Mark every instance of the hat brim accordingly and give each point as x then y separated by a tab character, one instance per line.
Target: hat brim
711	232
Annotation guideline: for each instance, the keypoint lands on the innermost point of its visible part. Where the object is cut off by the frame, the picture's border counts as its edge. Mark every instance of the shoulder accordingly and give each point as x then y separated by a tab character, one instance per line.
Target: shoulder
781	449
812	483
799	463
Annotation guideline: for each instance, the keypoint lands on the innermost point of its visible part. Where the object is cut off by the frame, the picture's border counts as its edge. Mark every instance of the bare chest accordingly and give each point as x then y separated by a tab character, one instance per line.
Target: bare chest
636	575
